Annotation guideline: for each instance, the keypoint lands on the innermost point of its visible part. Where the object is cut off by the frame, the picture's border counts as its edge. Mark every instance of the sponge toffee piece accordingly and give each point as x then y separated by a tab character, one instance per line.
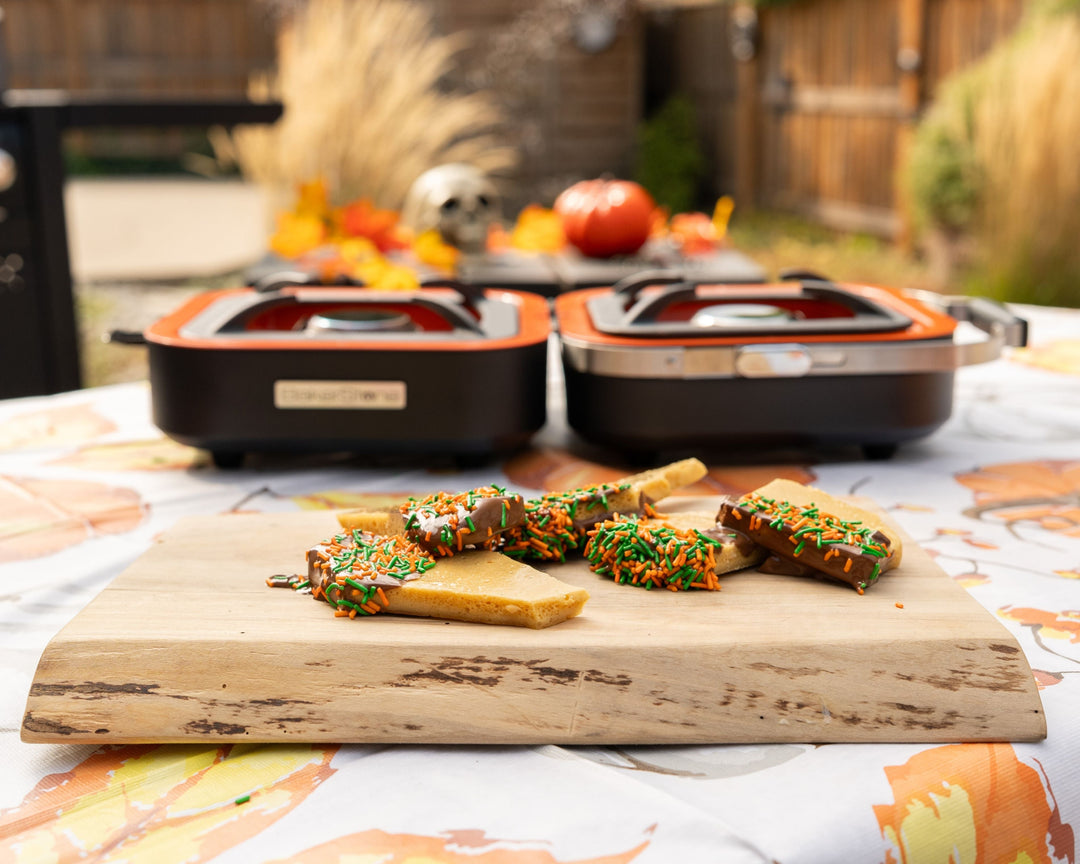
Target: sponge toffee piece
445	523
350	570
847	551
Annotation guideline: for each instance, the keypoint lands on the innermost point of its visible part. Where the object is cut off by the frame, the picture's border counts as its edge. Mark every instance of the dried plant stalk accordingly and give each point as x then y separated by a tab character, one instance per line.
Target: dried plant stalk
1029	120
364	109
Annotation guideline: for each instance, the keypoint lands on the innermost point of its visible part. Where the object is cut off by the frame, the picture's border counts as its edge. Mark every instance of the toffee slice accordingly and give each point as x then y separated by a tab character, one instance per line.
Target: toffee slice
847	551
445	523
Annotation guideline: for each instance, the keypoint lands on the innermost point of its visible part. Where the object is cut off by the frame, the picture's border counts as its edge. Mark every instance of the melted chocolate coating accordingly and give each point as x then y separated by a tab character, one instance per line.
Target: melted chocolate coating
427	531
810	558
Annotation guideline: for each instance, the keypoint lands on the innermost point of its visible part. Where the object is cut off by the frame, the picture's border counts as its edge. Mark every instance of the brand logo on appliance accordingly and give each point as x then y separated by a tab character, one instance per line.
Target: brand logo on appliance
340	395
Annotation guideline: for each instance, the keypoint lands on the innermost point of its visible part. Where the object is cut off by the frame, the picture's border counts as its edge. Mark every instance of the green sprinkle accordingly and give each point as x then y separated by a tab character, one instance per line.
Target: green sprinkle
243	799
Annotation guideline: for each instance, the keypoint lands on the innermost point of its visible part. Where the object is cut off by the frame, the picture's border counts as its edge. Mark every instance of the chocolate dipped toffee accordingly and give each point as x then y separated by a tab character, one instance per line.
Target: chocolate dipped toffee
806	537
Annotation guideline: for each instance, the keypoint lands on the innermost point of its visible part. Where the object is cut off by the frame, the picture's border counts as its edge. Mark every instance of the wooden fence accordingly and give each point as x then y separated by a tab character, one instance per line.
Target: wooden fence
208	47
818	119
146	47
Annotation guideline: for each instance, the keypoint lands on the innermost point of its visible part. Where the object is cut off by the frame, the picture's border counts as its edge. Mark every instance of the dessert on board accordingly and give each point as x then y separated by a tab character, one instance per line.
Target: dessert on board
464	556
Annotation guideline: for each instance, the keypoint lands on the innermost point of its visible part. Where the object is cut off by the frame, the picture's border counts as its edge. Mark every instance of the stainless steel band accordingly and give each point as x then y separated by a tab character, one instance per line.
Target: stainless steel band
781	360
983	331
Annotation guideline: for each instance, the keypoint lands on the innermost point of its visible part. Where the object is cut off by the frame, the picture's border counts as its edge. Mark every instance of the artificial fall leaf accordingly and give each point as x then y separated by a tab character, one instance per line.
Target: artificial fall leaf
362	218
721	215
381	275
296	234
538	229
694	233
498	238
431	249
313	199
658	225
971	802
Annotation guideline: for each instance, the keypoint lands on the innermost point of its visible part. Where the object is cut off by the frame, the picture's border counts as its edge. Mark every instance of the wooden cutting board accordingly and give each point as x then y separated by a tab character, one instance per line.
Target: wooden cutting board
189	644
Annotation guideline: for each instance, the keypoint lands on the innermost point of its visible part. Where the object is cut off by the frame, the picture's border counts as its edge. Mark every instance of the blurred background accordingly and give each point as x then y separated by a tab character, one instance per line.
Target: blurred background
917	143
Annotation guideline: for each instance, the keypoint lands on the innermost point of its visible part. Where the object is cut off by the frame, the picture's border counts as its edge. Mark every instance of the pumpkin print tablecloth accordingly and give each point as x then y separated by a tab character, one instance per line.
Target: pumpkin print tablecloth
87	482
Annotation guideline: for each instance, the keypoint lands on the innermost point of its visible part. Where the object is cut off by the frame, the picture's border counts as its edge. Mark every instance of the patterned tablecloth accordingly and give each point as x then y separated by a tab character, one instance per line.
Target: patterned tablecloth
87	482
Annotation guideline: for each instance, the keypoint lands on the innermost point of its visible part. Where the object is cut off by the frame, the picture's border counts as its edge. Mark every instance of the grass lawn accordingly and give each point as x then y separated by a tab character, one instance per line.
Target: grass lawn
779	242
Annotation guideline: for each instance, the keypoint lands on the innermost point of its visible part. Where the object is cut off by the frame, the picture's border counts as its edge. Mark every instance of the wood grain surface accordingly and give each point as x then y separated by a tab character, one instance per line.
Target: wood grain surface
189	644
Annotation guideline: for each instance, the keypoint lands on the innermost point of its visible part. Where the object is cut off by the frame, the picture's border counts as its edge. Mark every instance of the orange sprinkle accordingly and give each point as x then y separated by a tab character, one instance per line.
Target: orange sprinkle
899	605
382	597
847	566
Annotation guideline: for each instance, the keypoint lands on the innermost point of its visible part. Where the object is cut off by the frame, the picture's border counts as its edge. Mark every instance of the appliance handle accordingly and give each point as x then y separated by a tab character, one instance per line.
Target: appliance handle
470	293
282	279
995	319
632	285
796	274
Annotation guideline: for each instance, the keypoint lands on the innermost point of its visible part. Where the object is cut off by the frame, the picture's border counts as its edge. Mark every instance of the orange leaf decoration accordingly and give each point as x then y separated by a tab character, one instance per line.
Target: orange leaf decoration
296	234
1060	356
553	470
1047	625
40	517
313	199
461	847
156	454
1043	493
167	804
1046	679
971	802
694	233
53	427
538	229
362	218
337	499
431	249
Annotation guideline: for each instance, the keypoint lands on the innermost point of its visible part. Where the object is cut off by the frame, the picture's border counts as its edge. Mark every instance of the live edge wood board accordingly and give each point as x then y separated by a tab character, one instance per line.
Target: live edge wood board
189	644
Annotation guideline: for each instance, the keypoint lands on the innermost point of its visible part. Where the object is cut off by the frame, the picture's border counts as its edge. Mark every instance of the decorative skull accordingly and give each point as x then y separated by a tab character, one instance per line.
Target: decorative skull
458	200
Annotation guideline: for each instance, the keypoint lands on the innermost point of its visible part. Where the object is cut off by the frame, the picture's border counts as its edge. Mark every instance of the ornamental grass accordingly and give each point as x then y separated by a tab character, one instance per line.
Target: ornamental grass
998	160
366	108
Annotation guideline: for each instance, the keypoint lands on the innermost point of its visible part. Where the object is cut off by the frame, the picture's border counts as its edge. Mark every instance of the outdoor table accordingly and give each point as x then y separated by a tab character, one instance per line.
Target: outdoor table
87	483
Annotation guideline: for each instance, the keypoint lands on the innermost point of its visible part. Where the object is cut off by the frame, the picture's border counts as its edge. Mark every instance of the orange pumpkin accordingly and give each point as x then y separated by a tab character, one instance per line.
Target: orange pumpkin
606	217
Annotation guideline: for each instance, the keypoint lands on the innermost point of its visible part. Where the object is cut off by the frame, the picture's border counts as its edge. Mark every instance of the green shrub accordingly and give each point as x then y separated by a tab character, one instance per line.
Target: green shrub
997	159
670	163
